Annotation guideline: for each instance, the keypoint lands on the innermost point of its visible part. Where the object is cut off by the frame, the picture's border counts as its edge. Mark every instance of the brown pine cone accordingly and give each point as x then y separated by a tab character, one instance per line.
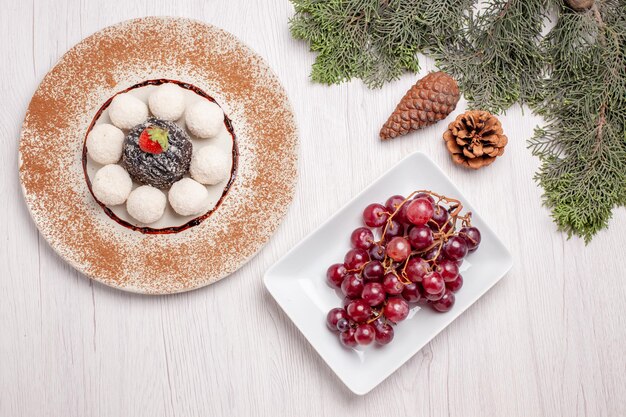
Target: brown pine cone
580	5
431	99
475	139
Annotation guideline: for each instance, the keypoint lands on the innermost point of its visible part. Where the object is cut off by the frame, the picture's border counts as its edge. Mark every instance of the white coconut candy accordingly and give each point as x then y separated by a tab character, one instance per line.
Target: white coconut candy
210	165
204	119
167	102
127	111
105	143
112	185
146	204
188	197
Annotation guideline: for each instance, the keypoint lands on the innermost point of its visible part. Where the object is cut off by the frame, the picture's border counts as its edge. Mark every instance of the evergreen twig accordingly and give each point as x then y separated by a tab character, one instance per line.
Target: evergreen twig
375	40
496	58
583	145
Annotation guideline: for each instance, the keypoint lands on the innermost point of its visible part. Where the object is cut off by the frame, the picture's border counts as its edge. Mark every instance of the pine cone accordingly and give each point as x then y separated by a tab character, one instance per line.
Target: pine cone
475	139
431	99
580	5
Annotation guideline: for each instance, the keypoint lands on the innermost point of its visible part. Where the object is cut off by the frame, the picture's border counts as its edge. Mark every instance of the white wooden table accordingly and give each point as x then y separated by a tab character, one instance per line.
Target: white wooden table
549	340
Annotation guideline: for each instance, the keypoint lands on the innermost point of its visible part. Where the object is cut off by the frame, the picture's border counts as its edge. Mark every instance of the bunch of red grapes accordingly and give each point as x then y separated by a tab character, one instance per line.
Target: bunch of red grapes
410	252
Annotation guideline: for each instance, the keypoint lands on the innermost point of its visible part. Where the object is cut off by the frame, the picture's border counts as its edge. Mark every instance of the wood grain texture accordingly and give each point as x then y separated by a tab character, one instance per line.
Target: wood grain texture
549	340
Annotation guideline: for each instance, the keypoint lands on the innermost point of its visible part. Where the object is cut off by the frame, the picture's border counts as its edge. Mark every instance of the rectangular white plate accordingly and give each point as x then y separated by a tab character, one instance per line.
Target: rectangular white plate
298	280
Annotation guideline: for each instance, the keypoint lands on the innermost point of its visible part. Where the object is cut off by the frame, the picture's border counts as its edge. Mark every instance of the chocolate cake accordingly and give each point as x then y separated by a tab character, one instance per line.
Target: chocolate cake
163	169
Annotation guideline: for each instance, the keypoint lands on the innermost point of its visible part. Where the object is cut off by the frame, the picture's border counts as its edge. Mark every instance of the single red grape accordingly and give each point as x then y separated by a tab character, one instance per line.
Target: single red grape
398	249
377	252
355	259
334	316
362	238
416	268
393	203
364	334
440	217
411	293
420	211
433	283
448	269
472	237
373	271
352	286
392	284
373	293
455	285
401	214
396	309
335	274
343	325
426	196
455	248
375	215
445	303
435	253
394	229
384	333
347	338
420	237
379	322
434	297
359	310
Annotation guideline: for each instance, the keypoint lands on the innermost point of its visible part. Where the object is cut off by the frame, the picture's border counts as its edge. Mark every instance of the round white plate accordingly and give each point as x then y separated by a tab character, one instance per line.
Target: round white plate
112	61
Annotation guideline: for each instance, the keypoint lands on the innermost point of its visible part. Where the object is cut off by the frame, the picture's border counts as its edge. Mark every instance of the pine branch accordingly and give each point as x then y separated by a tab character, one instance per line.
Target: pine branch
496	58
583	145
375	40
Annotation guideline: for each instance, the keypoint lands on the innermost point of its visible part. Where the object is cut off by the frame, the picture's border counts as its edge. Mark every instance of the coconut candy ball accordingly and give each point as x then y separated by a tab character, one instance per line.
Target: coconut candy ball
204	119
167	102
104	144
188	197
146	204
210	165
112	185
127	111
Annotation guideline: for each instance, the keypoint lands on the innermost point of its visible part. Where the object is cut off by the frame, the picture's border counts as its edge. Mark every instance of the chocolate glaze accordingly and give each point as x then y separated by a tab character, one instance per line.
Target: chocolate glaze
193	222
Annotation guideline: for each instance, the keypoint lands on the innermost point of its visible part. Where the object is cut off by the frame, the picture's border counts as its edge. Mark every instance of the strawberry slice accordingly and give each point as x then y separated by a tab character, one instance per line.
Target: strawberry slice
153	140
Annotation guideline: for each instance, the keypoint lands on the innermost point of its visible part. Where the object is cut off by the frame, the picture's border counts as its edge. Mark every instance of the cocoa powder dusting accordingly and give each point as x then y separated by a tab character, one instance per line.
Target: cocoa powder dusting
117	58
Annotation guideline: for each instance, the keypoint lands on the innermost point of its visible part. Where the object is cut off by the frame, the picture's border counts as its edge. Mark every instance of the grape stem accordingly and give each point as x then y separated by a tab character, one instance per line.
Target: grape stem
402	277
379	313
440	237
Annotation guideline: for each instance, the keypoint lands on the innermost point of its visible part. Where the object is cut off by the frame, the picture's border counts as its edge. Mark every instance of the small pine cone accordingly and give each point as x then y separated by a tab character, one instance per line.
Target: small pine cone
475	139
580	5
431	99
